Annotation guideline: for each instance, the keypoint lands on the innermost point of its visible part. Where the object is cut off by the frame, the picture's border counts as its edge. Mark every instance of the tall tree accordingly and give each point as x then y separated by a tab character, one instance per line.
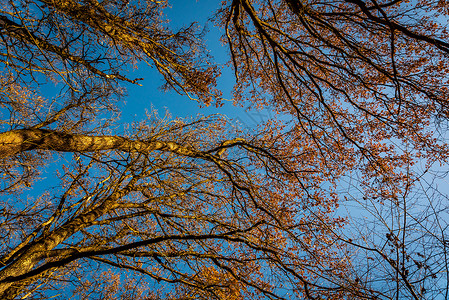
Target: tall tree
366	83
171	205
191	209
186	208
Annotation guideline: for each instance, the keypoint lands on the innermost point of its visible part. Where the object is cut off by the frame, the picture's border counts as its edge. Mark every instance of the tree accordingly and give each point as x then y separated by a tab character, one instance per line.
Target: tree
366	83
186	207
193	209
166	211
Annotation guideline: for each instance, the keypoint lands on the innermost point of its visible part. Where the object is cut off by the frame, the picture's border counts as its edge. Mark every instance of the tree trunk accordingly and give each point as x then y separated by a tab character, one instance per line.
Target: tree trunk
16	141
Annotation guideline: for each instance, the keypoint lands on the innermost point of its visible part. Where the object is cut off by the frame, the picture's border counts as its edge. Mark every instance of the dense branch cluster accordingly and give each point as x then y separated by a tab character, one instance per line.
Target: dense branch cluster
197	209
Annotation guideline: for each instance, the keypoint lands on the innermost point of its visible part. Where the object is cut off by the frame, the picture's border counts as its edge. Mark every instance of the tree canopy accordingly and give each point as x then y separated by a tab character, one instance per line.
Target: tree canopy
198	208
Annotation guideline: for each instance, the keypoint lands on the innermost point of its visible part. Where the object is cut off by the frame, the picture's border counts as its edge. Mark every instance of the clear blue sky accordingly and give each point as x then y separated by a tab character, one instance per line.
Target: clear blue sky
182	13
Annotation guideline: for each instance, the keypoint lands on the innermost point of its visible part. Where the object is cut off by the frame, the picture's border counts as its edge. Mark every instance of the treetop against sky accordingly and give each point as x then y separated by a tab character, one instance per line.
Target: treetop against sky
332	191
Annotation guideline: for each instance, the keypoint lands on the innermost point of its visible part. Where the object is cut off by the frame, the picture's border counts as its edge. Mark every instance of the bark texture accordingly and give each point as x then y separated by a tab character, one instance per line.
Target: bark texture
16	141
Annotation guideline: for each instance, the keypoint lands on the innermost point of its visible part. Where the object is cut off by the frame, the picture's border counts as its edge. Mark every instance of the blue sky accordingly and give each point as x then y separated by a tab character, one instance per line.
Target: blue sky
149	95
180	14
